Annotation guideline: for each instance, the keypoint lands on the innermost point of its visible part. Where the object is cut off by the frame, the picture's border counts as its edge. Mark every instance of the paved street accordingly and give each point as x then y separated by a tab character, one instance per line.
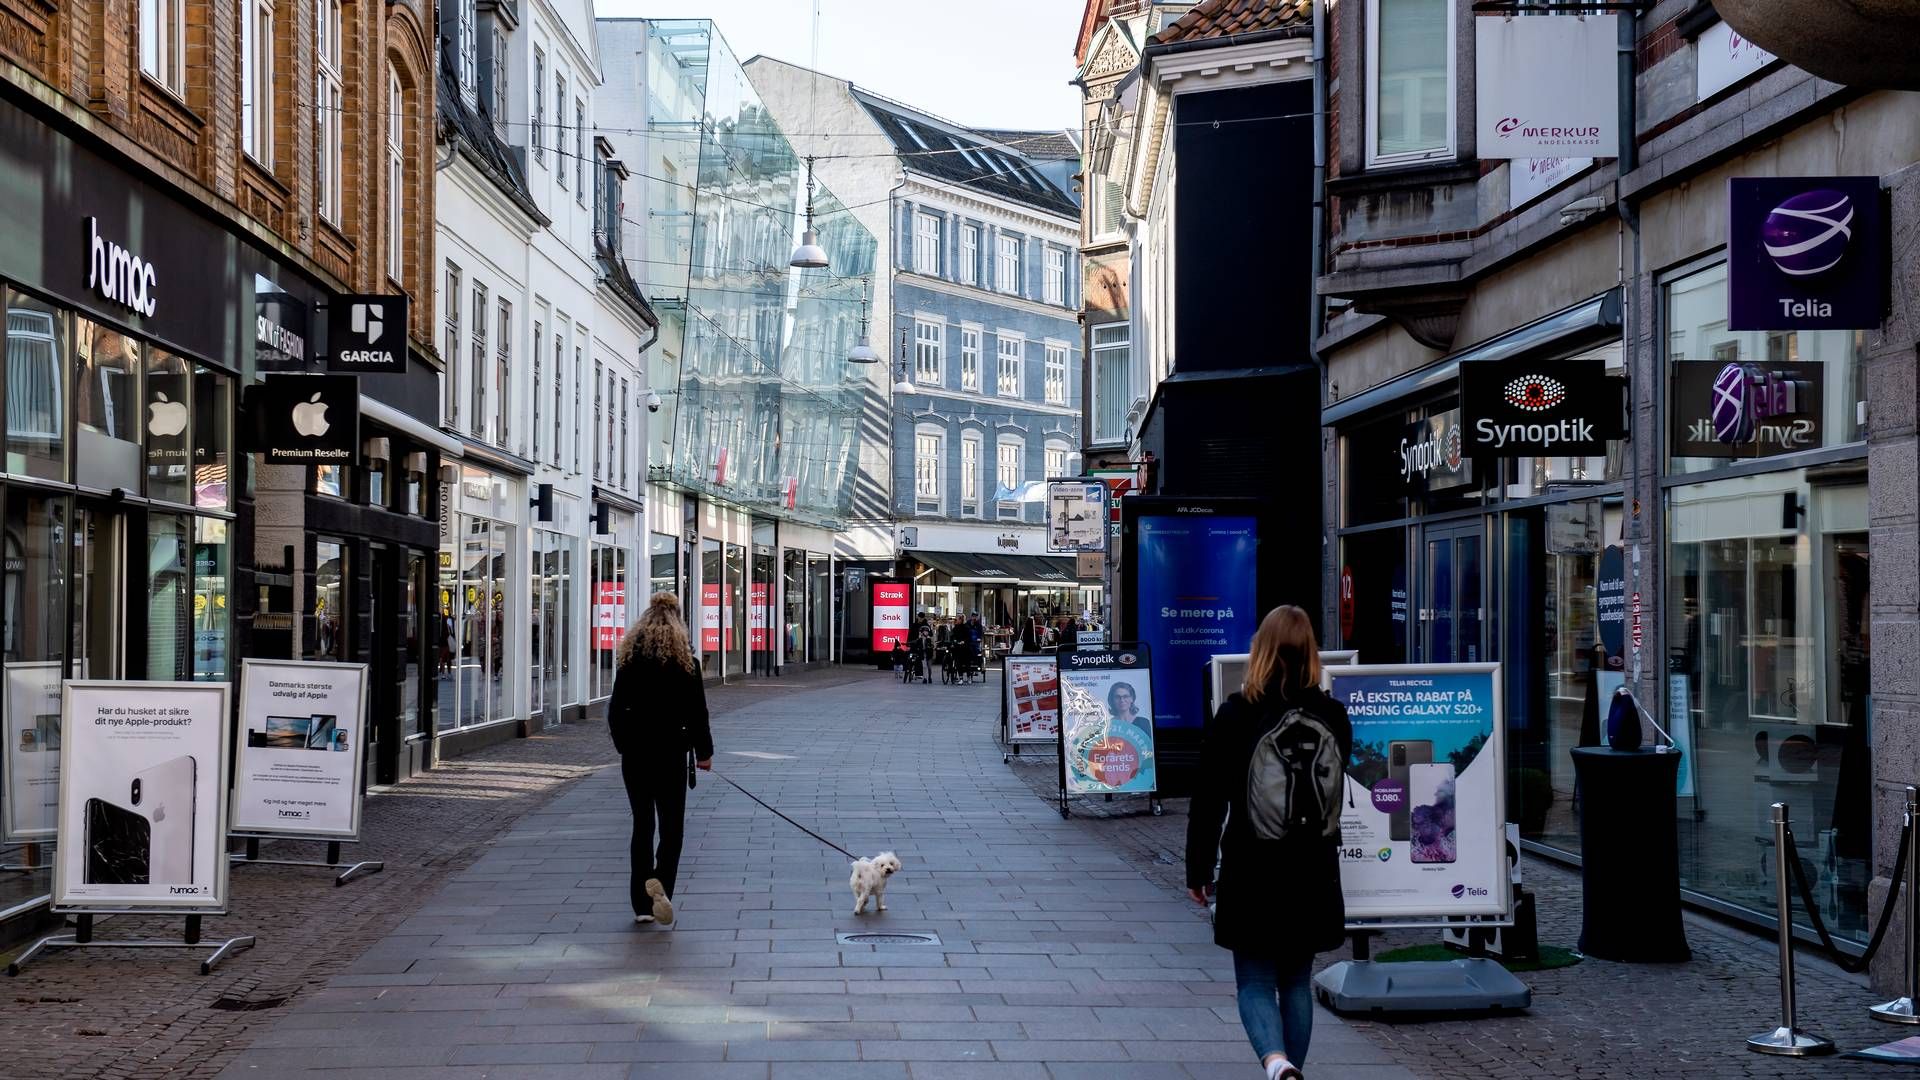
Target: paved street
1057	958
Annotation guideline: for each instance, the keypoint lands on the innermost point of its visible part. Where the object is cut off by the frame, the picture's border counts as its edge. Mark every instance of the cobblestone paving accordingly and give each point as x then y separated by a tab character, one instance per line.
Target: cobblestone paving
149	1014
1595	1018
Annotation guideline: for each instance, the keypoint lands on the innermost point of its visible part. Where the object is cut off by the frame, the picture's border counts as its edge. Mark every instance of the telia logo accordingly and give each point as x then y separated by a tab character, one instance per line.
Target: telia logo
1808	233
1507	125
1534	393
1459	891
1462	892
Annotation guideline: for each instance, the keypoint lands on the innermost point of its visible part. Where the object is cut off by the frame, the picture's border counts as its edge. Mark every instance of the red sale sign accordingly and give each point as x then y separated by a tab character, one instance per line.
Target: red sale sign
891	607
609	615
710	617
757	616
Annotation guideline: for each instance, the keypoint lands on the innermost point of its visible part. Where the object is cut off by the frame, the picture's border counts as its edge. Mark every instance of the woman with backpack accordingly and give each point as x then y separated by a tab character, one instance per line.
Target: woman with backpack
658	714
1273	764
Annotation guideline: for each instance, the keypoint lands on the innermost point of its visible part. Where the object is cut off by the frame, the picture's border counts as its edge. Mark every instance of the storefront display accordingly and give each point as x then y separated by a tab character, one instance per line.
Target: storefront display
298	769
31	795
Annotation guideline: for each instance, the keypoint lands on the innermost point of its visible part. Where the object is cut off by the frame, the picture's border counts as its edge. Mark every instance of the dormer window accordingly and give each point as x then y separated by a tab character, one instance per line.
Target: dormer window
469	53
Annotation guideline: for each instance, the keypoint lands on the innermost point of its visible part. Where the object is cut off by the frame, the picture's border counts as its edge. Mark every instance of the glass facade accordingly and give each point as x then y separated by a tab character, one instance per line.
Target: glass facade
765	409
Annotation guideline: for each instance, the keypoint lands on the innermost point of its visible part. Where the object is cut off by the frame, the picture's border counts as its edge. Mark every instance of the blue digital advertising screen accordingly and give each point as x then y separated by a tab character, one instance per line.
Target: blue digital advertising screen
1196	596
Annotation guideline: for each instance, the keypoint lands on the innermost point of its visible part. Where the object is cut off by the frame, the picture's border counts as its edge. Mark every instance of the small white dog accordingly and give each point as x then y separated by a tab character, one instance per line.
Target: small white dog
869	880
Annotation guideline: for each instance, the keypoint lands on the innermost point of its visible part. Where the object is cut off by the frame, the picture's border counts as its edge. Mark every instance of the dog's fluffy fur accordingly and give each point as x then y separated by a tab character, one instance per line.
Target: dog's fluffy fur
869	880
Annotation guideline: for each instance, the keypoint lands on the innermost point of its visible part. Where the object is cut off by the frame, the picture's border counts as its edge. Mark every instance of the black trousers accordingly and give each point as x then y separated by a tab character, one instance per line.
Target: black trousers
655	789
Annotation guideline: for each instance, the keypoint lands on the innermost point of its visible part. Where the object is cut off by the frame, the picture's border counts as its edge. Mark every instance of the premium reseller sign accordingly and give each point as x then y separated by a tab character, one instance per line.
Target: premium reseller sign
1546	86
298	773
307	419
1526	408
1806	253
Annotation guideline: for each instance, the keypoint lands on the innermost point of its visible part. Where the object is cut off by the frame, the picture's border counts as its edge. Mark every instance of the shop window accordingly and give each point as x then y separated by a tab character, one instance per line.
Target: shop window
36	388
820	607
211	558
1533	476
327	638
713	587
106	407
330	480
1792	391
793	594
212	438
376	471
1374	481
169	391
1768	644
664	558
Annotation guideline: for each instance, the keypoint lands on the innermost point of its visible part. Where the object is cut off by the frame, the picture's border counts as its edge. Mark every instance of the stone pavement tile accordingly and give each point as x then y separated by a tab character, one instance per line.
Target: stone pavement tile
925	1050
840	1070
977	1070
657	1049
1113	1070
522	1054
794	1050
702	1070
1059	1050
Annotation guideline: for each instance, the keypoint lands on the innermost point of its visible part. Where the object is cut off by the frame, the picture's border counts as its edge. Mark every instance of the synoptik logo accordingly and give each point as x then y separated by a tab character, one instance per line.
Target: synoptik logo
1534	394
1808	234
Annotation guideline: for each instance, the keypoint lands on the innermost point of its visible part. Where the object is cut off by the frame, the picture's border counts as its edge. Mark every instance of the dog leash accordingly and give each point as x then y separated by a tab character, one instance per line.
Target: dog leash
788	820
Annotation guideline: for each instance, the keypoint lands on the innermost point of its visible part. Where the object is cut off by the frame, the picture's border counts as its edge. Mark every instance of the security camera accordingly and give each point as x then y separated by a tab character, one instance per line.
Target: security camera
653	401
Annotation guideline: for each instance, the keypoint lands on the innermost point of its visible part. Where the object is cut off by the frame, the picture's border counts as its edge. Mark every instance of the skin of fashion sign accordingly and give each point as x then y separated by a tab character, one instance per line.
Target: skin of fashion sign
143	798
1422	834
302	749
31	794
1106	722
1033	699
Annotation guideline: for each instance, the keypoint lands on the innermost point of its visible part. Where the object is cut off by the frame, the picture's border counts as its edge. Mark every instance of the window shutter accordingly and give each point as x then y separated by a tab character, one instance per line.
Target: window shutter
1112	205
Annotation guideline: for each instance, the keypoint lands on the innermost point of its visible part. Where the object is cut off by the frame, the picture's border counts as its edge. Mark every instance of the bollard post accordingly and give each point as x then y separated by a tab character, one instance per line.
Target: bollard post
1786	1039
1902	1010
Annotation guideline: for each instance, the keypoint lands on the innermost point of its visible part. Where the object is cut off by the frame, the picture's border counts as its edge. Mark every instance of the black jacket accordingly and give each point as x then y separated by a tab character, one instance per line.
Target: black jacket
659	710
1277	898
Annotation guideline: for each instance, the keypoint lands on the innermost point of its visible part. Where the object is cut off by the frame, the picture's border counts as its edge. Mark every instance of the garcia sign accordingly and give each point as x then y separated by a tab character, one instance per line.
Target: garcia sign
1806	253
367	333
1524	408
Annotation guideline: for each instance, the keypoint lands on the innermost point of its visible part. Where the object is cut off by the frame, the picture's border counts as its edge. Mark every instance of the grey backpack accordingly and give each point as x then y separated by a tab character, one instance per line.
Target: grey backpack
1295	778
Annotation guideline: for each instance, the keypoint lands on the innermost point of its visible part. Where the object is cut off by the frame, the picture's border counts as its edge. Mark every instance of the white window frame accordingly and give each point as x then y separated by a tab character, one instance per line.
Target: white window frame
503	371
482	360
969	255
163	43
926	243
468	53
1058	455
1006	264
1055	385
256	80
1009	472
500	81
1009	381
329	105
929	451
970	473
929	348
396	177
580	151
970	359
1056	276
1123	345
560	126
539	385
1444	153
1108	213
453	295
539	106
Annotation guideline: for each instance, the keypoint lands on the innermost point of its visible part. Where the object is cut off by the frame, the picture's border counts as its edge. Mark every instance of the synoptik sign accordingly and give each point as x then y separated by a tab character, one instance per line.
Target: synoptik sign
119	275
1522	408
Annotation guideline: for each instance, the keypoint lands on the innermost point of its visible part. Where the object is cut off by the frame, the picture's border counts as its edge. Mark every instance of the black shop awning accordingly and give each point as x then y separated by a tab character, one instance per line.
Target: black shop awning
982	568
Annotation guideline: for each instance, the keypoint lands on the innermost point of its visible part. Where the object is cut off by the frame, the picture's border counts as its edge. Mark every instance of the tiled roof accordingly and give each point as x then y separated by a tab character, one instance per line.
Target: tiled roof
936	151
1228	18
1039	145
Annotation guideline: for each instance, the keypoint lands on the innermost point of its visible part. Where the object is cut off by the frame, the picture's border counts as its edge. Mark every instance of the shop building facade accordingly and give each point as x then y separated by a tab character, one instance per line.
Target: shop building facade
1753	585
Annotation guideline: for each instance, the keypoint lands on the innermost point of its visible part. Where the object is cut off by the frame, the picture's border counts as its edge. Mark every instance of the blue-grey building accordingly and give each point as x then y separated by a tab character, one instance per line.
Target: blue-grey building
978	323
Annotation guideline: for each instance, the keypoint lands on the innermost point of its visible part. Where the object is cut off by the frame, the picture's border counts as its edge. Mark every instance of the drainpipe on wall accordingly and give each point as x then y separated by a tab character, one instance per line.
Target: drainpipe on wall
1628	159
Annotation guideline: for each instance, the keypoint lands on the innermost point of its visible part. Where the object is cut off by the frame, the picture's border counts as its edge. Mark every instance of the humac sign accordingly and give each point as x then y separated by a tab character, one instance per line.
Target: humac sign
1806	253
1524	408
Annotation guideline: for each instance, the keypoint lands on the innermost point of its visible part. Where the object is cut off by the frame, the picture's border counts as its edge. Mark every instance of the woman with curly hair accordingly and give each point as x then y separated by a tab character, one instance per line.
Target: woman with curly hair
657	715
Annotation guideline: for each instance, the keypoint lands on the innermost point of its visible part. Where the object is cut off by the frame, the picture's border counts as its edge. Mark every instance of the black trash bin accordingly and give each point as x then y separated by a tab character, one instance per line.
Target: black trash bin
1630	855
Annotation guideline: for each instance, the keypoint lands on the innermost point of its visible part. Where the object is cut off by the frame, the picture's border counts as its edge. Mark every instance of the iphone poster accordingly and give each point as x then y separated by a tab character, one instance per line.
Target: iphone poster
301	748
30	791
1423	834
142	798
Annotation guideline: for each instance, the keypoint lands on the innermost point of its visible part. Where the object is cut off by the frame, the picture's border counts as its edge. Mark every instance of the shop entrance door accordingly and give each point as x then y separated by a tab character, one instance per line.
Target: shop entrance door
386	667
1454	597
100	591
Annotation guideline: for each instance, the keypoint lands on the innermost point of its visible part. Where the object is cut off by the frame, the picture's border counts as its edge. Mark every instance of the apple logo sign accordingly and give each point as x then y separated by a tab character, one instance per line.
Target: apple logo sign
166	418
310	418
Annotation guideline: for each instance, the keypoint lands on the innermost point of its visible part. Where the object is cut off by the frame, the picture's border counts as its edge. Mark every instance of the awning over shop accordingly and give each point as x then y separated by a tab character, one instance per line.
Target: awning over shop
981	568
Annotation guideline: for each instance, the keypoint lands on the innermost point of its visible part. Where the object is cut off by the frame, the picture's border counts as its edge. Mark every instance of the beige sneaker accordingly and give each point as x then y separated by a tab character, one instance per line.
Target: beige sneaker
662	907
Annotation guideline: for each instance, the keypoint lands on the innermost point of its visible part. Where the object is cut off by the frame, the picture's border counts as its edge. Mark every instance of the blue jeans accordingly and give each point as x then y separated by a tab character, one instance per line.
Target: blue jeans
1276	1005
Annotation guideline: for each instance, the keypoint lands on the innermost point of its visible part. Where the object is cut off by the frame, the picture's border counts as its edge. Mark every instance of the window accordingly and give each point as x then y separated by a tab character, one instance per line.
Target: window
579	365
1056	386
611	382
503	367
926	244
1111	382
1007	477
477	420
579	152
559	380
329	103
596	419
1006	269
927	446
970	359
1058	460
256	79
163	42
1012	354
1410	81
36	338
498	72
926	351
450	351
1056	284
559	127
970	254
539	106
1110	210
626	444
469	53
396	176
970	473
539	349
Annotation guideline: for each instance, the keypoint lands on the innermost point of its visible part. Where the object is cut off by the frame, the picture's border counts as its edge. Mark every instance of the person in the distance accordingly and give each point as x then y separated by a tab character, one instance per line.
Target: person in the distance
658	714
1278	900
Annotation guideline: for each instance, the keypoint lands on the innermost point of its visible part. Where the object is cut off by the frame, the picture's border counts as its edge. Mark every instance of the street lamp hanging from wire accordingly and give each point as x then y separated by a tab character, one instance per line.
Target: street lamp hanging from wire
809	255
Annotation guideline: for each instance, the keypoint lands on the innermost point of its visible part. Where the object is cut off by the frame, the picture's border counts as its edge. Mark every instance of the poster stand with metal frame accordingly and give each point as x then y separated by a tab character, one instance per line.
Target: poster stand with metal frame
1010	746
82	938
348	871
1154	805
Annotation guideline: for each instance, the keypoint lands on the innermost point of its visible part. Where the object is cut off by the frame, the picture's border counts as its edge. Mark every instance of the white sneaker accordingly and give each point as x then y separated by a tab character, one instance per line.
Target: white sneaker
662	907
643	918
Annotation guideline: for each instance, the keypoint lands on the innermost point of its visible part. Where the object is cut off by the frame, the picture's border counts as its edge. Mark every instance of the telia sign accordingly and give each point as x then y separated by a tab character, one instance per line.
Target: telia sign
1546	86
1806	253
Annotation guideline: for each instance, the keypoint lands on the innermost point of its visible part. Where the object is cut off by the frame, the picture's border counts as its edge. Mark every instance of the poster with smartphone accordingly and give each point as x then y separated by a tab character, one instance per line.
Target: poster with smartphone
301	750
143	798
1106	721
1423	832
30	790
1033	698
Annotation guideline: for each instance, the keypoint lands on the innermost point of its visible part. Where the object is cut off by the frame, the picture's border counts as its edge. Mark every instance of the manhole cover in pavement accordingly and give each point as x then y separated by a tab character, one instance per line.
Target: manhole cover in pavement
890	938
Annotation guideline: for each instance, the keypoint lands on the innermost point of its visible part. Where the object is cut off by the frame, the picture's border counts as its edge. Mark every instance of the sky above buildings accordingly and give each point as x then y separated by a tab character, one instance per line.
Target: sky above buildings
988	63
